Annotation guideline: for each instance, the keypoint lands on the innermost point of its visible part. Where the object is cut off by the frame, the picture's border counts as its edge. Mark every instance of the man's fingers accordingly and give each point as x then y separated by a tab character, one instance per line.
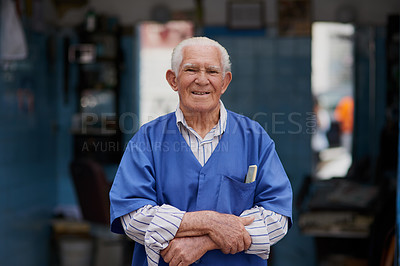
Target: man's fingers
164	251
231	236
226	250
240	247
247	241
165	254
247	220
175	261
246	236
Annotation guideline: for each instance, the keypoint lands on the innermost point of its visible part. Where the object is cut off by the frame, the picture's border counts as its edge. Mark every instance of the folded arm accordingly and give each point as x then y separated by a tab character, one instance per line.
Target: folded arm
266	230
202	231
154	227
187	250
174	234
225	230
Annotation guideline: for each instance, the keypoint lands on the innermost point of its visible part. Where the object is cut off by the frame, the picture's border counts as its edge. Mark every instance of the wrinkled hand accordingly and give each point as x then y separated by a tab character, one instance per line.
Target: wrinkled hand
229	233
184	251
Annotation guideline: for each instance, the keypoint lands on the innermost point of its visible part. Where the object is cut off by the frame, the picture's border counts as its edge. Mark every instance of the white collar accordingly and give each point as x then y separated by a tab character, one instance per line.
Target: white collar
219	128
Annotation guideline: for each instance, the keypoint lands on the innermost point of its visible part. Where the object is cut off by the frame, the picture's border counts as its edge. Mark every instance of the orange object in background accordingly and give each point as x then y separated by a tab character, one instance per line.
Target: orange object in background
344	114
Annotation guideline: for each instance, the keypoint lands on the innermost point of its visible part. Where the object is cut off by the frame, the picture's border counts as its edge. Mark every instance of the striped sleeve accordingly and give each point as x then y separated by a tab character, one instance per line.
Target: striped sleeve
153	227
267	229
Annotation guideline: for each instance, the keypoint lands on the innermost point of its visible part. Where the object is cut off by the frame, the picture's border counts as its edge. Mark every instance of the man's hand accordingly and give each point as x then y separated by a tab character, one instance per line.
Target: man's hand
226	230
229	233
184	251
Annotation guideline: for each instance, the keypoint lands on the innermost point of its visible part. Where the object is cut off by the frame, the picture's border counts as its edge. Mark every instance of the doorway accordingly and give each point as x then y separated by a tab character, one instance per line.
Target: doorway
156	45
333	94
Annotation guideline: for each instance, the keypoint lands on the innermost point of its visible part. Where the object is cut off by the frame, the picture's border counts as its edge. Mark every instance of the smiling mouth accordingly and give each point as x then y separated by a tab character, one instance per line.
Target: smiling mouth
200	93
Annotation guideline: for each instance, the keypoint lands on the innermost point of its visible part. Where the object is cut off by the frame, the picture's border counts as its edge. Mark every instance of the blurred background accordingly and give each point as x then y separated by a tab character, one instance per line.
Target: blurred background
79	77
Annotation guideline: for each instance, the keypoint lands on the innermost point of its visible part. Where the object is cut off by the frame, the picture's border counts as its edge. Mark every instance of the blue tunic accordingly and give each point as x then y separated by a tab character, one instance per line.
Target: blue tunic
158	167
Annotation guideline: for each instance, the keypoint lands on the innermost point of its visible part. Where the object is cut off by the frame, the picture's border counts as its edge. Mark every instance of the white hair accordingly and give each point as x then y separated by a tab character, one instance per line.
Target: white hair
177	54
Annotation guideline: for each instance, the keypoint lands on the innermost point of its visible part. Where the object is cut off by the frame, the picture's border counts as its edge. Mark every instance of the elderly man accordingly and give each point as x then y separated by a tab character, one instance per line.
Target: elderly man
181	191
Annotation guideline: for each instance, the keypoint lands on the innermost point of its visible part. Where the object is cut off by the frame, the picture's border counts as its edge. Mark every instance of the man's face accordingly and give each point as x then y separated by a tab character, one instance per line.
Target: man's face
200	82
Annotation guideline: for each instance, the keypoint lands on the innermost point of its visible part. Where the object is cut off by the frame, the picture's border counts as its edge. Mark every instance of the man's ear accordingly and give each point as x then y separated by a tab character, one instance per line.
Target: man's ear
226	81
171	79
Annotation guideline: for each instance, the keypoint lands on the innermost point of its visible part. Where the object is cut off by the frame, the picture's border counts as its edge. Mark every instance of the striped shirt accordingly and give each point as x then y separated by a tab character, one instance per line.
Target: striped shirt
202	148
155	226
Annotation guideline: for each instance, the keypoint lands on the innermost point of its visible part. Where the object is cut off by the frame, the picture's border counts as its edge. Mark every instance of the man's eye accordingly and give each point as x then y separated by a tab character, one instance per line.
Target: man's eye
213	72
190	70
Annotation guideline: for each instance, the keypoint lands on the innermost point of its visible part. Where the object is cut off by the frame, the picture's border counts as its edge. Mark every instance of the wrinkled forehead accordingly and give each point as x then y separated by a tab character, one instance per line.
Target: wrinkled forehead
201	55
198	66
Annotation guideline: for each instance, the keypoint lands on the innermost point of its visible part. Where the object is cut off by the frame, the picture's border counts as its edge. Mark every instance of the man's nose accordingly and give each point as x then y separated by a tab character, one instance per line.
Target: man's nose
202	78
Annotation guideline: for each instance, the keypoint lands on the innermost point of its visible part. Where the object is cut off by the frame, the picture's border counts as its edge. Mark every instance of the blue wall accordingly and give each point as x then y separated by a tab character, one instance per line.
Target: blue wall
66	106
27	158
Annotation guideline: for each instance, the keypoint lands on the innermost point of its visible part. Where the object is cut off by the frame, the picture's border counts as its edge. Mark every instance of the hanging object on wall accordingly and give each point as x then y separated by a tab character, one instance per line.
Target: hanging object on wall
346	14
63	6
294	17
199	14
246	14
90	21
160	13
82	53
12	37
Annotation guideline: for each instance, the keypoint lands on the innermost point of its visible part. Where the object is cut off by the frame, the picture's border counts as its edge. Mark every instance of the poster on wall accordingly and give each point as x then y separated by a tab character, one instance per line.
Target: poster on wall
246	14
294	17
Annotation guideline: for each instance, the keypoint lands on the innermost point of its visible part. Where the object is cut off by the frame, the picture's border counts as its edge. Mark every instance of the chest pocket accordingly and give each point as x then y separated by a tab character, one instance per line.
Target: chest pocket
234	196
